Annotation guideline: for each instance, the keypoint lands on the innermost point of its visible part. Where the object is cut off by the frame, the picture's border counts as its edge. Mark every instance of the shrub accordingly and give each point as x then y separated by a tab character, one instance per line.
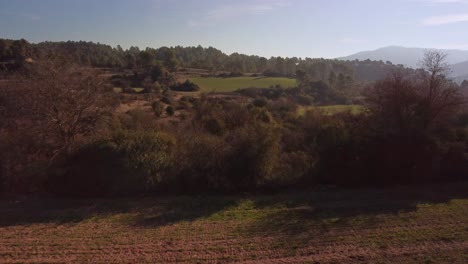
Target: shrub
186	86
454	163
166	100
128	90
170	110
201	162
294	167
236	74
260	102
126	163
253	156
215	126
157	108
137	119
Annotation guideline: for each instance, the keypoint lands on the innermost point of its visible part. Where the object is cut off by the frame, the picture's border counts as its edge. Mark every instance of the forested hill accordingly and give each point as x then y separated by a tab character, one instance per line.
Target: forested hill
101	55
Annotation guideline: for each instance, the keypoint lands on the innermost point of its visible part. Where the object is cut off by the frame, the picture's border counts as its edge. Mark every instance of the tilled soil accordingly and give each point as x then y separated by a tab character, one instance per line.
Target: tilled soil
380	226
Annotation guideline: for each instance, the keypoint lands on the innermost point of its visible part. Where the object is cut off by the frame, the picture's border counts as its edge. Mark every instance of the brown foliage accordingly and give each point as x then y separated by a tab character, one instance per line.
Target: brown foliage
403	103
46	111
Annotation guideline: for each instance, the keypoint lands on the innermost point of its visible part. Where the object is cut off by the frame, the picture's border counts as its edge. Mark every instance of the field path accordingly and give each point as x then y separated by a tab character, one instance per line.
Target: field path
405	225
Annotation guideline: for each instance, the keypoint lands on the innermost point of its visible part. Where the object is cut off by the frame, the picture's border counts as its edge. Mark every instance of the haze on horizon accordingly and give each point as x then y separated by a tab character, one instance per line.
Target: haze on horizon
267	28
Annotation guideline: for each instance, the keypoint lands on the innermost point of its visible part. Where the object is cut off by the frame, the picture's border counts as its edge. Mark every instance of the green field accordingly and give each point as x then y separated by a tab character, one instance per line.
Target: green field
332	109
213	84
421	224
135	89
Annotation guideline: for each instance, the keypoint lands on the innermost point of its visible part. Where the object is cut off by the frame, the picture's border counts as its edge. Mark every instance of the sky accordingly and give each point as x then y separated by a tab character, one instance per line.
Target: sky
301	28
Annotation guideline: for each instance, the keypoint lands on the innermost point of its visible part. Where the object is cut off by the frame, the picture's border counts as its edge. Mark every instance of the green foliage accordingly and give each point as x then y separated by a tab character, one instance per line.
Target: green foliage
186	86
232	84
201	163
170	110
254	156
128	162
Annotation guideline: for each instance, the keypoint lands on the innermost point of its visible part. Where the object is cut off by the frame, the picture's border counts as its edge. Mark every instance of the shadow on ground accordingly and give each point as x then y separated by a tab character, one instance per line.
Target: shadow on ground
285	213
307	216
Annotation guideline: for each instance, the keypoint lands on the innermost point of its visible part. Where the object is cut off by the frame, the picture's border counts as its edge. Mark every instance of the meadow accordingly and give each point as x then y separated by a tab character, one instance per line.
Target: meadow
332	109
214	84
402	225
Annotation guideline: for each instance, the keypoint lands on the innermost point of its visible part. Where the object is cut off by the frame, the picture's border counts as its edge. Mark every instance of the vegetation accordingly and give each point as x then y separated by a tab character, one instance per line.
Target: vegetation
186	86
332	109
63	120
213	84
307	130
211	59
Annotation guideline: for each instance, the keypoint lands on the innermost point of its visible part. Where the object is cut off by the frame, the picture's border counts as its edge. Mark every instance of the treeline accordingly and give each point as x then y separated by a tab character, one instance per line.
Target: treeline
60	134
100	55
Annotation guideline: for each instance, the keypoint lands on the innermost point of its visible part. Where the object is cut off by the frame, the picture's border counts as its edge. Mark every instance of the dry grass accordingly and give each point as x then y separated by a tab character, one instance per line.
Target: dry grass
405	225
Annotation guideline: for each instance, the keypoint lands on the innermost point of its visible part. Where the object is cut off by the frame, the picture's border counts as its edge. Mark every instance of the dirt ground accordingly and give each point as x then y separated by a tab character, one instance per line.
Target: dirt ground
402	225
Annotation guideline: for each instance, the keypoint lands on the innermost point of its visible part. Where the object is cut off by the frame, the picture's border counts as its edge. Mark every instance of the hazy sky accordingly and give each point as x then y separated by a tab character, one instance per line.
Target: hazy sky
305	28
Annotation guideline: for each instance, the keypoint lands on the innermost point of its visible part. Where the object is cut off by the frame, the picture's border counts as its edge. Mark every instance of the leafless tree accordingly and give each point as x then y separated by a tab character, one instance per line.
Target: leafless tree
416	102
53	106
441	97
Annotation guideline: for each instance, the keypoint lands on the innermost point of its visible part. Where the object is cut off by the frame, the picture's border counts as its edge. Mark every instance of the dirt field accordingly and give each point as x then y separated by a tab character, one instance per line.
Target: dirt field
404	225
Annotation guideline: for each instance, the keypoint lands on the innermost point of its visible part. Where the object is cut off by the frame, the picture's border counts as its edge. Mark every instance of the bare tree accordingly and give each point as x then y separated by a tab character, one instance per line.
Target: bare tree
441	97
404	102
54	106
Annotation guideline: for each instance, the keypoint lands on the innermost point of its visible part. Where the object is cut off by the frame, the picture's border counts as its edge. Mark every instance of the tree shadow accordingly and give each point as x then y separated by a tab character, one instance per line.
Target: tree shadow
141	212
186	209
301	218
290	214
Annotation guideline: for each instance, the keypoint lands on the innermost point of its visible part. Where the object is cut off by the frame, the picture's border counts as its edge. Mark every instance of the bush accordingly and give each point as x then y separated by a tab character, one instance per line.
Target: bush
127	163
158	108
215	126
260	102
170	110
186	86
128	90
166	100
253	156
201	162
236	74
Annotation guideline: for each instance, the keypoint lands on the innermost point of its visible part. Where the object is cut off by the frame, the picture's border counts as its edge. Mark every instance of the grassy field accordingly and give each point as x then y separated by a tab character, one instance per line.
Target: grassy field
232	84
135	89
332	109
404	225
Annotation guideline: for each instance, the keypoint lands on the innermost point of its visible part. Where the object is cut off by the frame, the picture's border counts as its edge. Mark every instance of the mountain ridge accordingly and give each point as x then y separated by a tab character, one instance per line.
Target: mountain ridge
410	57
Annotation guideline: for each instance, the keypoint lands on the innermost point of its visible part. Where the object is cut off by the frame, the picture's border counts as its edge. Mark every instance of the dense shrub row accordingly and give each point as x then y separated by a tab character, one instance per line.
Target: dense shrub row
414	130
229	147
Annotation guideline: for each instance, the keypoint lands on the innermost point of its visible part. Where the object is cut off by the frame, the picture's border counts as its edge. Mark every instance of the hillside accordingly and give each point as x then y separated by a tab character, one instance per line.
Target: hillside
409	57
460	69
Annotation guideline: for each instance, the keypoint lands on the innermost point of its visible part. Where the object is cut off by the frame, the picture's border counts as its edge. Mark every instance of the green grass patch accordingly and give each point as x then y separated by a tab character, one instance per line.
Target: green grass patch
213	84
332	109
135	89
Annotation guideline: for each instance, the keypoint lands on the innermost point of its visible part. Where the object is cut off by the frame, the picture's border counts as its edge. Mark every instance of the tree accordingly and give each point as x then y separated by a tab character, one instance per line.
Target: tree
146	59
440	96
332	78
464	84
170	60
56	105
405	103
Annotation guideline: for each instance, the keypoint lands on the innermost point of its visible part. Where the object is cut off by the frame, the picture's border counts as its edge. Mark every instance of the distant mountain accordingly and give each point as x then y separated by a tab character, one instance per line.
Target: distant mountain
409	57
460	79
460	69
